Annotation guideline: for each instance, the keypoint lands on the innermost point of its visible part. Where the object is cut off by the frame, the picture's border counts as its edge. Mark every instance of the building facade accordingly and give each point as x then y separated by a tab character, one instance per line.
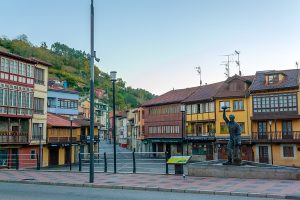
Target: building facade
275	117
163	122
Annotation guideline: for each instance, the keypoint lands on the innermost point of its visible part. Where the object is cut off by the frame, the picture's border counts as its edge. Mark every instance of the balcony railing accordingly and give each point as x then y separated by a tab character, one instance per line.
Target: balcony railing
61	140
200	134
13	137
86	138
278	136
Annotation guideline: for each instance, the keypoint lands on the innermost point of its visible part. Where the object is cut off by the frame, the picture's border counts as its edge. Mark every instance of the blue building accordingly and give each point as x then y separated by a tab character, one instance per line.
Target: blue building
63	101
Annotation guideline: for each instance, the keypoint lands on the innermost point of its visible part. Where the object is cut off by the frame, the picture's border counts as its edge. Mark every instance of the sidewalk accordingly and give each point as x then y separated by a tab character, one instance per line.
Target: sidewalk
284	189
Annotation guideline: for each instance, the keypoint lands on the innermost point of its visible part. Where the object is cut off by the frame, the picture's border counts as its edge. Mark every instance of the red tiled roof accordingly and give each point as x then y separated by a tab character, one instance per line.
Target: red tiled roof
38	61
204	93
173	96
54	120
62	89
15	56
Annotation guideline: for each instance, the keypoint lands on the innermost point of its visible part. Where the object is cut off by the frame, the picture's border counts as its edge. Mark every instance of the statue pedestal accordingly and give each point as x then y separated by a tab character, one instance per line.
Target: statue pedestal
247	169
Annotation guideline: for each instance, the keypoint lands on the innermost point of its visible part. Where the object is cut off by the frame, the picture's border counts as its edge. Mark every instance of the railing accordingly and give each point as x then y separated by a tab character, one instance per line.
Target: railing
61	139
127	162
13	137
86	138
18	161
278	136
200	134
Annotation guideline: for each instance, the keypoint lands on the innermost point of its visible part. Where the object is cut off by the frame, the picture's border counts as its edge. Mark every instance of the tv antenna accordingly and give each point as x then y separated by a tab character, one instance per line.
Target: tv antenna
238	61
227	65
199	73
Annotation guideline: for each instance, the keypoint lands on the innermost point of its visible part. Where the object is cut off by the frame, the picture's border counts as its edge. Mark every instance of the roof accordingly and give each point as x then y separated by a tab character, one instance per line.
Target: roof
204	93
173	96
11	55
290	81
85	122
60	89
224	91
38	61
54	120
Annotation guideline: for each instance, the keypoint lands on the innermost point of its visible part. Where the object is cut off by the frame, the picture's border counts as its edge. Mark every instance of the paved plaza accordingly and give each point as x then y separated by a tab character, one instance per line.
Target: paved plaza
168	183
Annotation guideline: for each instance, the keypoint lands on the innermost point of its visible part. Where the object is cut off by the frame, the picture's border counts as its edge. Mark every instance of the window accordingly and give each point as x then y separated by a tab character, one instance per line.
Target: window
211	107
188	109
223	128
238	105
224	103
67	104
39	76
32	154
37	132
275	103
272	79
194	108
38	105
288	151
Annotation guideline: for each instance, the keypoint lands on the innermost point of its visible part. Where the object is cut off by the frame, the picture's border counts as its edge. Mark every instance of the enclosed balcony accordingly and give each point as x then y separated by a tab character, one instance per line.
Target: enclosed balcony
276	137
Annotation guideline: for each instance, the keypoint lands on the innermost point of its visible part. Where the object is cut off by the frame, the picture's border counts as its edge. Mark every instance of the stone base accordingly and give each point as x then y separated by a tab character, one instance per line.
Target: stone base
247	169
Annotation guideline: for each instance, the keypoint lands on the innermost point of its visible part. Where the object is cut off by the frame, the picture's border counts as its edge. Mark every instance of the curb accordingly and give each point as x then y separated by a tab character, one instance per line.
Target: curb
176	190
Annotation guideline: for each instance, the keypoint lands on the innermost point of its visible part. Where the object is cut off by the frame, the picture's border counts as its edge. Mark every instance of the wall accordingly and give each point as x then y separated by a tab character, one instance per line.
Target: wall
63	95
240	116
61	156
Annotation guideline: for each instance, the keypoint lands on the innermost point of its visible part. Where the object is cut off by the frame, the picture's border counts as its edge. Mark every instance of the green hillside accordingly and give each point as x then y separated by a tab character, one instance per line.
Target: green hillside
73	66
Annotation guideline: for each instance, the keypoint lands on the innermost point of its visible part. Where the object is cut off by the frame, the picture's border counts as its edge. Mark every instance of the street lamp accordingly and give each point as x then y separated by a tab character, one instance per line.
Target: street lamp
71	140
271	136
182	110
41	146
113	78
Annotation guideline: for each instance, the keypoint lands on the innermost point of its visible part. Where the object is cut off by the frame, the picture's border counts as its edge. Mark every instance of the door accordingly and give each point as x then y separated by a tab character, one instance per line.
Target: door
53	156
287	130
262	130
263	154
67	155
199	129
3	158
209	152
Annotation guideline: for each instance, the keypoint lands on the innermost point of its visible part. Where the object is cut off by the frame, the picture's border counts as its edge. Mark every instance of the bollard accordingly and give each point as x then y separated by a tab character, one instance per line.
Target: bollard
134	164
38	166
80	164
167	166
105	162
17	161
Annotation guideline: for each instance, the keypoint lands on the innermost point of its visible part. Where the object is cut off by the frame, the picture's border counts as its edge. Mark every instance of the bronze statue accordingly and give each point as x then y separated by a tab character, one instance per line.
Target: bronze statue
234	139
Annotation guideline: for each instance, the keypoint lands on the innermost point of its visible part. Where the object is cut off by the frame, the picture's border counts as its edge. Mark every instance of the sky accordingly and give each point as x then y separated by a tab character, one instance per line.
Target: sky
156	44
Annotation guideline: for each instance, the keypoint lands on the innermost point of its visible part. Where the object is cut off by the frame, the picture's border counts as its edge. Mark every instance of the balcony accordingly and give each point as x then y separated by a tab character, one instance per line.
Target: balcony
13	137
201	136
276	137
61	140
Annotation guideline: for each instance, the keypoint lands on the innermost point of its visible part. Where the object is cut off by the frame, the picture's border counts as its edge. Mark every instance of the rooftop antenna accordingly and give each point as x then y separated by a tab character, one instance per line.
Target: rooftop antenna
297	64
227	65
199	73
238	61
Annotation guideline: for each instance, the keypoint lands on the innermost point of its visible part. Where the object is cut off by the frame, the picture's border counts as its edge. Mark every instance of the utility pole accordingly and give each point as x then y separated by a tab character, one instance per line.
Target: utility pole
199	73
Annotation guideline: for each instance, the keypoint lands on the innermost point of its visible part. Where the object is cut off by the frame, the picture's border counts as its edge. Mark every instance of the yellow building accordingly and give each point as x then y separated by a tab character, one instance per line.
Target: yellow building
39	120
234	93
59	139
275	114
200	122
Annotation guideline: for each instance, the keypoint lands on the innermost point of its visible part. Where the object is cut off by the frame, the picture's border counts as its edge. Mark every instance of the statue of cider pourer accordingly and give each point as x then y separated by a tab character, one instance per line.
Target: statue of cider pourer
234	143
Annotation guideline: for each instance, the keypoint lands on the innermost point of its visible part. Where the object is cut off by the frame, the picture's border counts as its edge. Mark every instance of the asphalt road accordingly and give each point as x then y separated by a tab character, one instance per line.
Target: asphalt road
16	191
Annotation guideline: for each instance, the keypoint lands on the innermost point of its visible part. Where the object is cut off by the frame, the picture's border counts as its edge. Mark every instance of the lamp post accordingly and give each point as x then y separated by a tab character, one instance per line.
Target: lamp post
92	58
71	140
41	146
271	136
113	78
182	110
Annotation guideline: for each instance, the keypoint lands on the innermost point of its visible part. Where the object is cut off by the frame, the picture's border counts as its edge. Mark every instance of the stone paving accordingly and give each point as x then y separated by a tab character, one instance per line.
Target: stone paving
209	185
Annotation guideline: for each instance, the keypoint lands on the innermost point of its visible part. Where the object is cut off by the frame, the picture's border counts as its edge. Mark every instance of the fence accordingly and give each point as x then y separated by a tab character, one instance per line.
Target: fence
127	162
17	161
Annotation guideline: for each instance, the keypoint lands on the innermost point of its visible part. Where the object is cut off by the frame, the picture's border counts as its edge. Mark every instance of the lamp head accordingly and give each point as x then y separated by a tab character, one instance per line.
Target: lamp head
113	75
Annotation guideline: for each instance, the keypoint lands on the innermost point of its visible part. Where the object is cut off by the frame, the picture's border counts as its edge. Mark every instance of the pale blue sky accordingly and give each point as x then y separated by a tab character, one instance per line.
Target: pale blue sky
156	44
